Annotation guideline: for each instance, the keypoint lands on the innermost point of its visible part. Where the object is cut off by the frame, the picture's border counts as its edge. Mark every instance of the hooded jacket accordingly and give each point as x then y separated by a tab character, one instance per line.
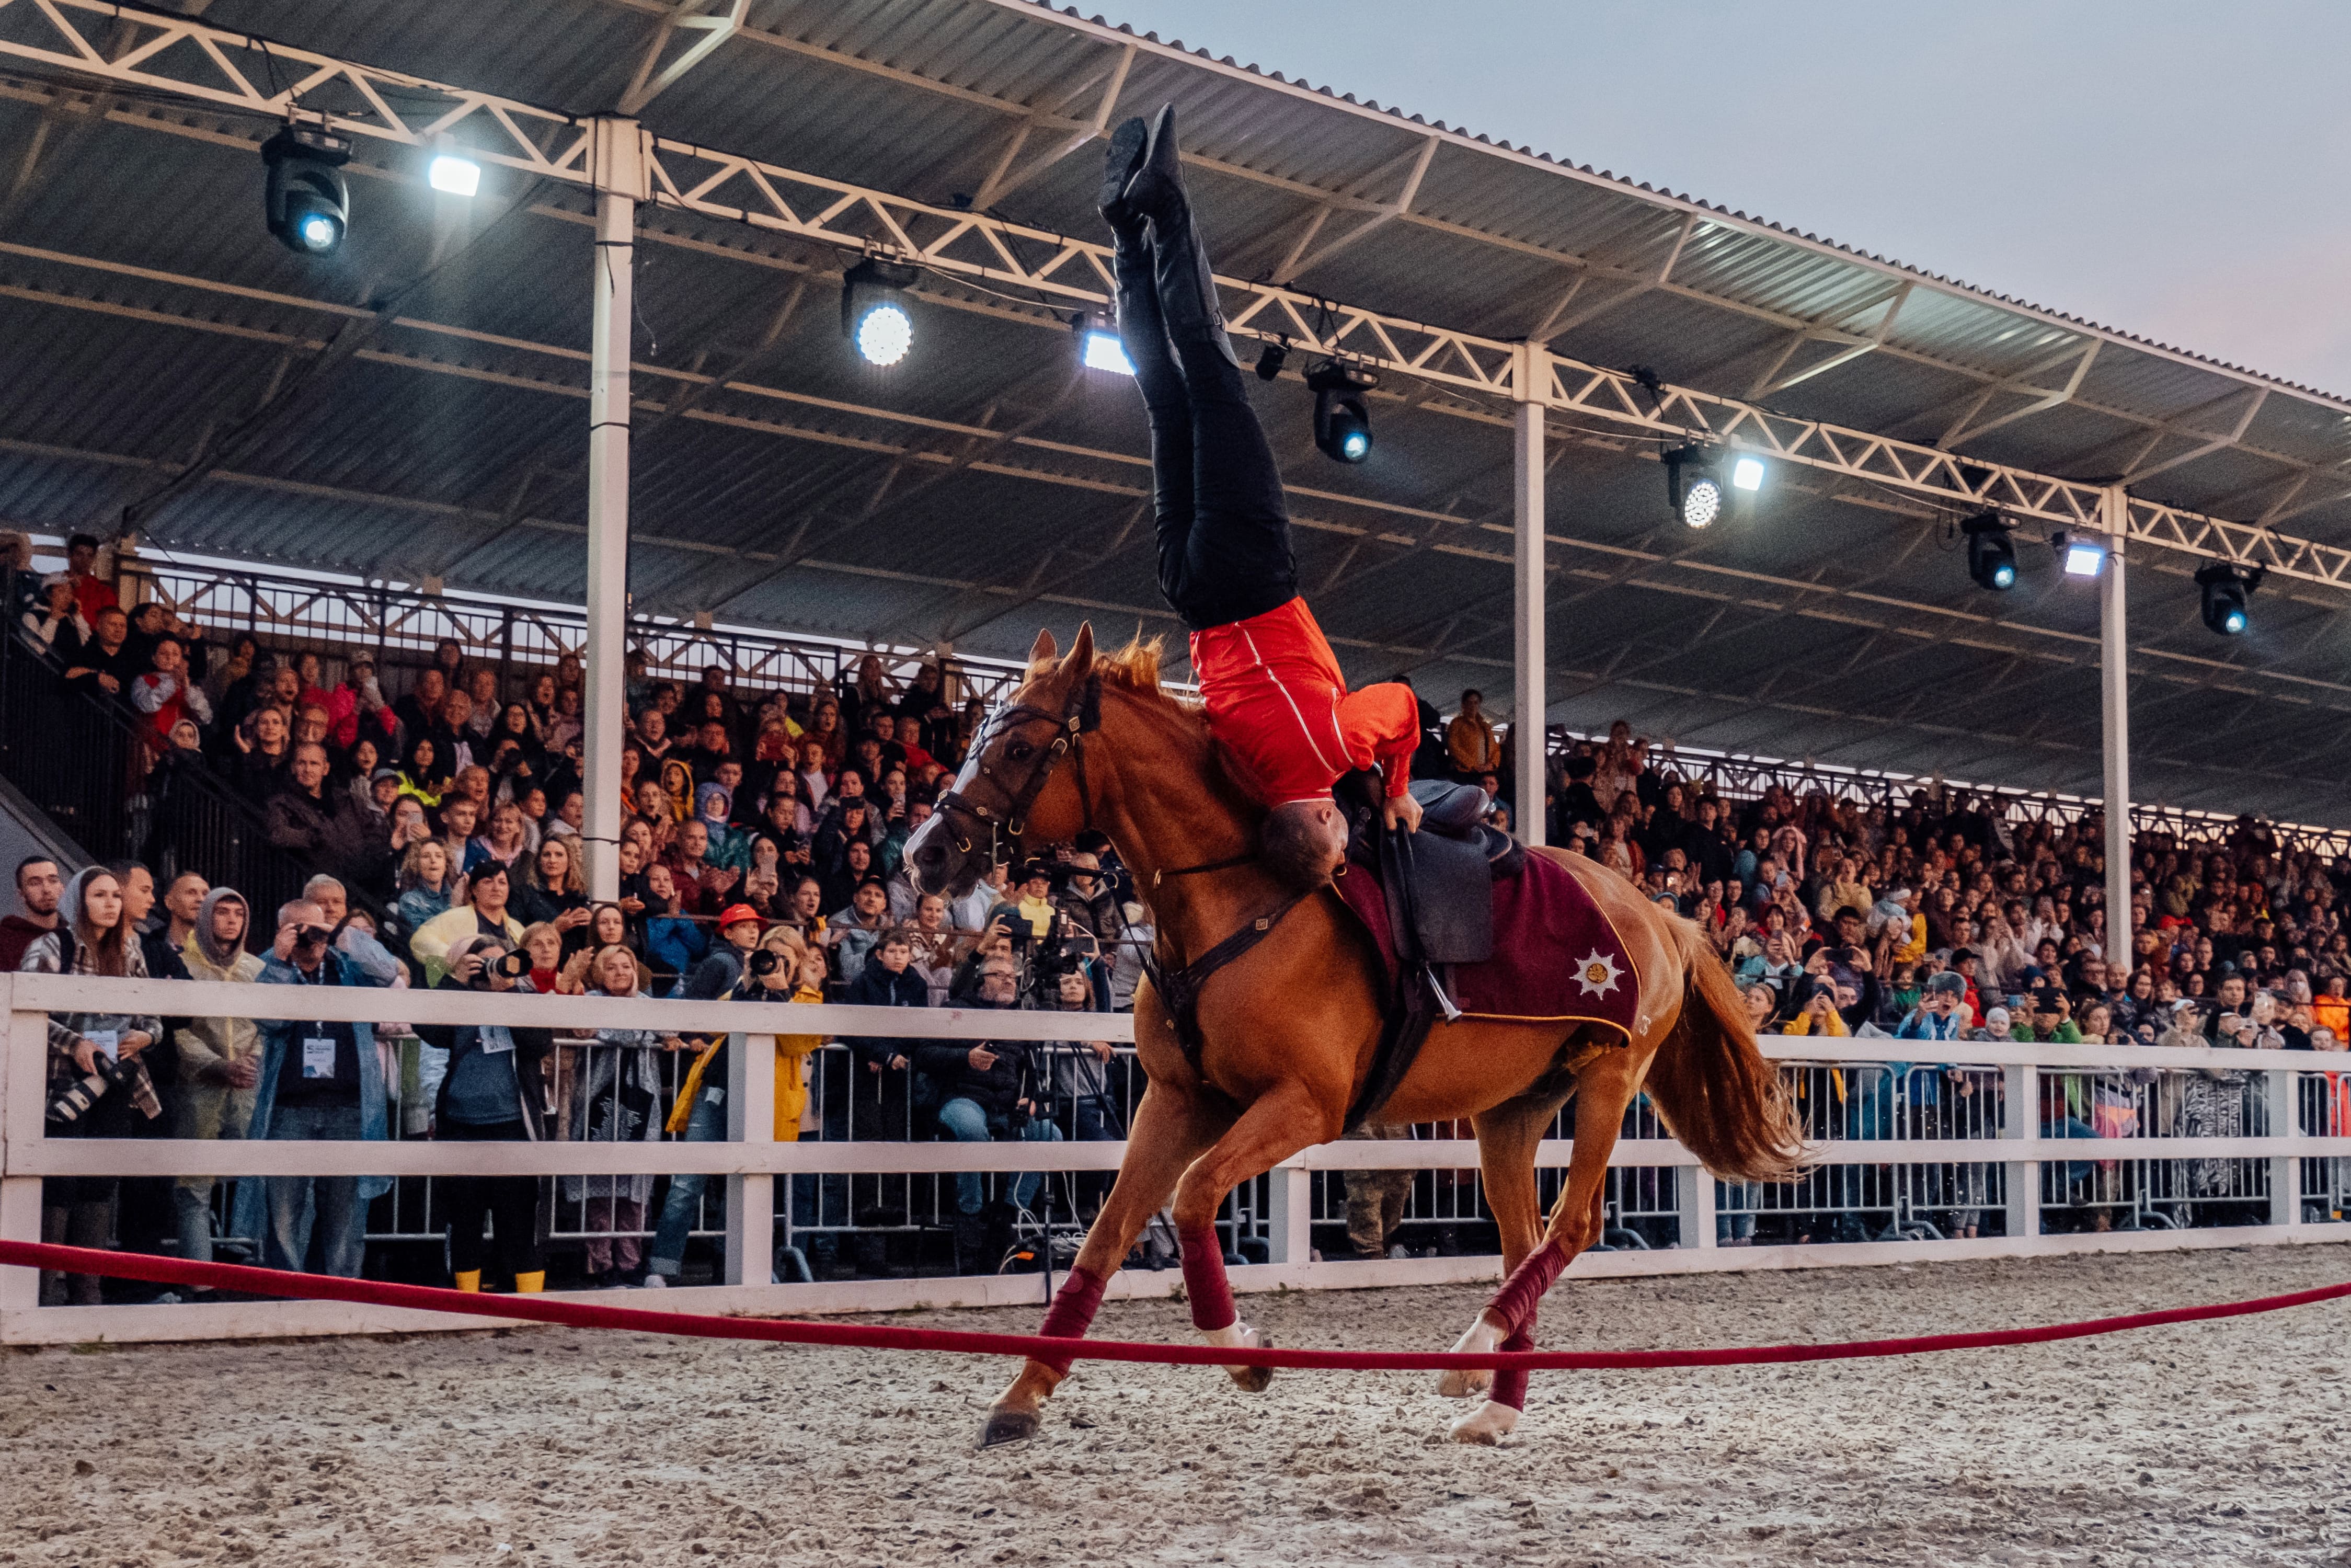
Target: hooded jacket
207	1106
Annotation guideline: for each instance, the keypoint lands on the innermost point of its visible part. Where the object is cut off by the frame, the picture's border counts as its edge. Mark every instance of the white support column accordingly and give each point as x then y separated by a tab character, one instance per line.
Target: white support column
1290	1212
23	1099
619	166
1526	591
1694	1197
750	1118
2020	1118
2285	1170
2113	687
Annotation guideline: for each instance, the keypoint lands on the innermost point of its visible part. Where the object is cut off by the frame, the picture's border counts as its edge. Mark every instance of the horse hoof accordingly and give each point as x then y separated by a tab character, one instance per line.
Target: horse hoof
1485	1427
1252	1379
1468	1383
1248	1379
1008	1427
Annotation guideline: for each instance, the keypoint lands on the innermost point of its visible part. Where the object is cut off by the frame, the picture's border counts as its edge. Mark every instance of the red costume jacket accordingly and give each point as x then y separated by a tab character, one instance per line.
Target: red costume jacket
1275	695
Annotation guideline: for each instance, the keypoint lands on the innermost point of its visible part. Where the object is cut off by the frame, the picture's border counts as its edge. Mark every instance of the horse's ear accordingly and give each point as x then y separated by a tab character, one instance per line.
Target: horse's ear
1044	648
1079	663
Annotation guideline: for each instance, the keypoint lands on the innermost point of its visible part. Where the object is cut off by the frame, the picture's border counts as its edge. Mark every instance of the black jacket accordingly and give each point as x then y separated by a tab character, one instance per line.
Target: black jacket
876	987
531	1049
331	832
998	1090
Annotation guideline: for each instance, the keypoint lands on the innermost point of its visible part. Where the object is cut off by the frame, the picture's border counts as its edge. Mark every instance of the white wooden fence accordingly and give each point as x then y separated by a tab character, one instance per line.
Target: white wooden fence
752	1160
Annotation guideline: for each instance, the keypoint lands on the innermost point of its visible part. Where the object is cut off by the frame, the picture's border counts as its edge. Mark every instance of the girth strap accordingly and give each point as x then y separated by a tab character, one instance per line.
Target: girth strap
1180	989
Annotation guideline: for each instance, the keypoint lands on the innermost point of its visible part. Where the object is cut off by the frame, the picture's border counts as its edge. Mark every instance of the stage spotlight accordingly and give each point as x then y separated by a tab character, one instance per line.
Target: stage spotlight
1100	348
1342	423
874	316
1747	474
458	176
1270	360
305	203
1991	557
2083	558
2226	587
1692	489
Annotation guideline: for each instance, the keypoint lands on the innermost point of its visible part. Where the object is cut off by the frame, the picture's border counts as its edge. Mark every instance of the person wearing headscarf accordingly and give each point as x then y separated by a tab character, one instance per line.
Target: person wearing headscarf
730	847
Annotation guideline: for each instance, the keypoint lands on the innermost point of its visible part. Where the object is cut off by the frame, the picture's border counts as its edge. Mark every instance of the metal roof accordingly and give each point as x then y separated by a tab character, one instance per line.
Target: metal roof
988	484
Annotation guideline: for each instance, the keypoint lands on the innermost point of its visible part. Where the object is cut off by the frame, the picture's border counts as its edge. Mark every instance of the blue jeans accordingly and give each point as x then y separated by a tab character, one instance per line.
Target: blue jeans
967	1124
2076	1171
1734	1217
328	1205
705	1124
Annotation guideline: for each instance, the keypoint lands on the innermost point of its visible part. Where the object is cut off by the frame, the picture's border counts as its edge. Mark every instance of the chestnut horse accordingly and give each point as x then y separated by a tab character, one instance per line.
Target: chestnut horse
1288	1028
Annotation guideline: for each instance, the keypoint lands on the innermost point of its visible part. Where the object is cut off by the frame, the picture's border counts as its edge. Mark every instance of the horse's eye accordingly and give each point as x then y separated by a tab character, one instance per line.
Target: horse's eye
1020	751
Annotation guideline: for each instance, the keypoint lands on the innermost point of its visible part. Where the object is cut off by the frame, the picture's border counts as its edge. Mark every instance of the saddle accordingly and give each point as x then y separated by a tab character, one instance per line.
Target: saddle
1439	881
1438	885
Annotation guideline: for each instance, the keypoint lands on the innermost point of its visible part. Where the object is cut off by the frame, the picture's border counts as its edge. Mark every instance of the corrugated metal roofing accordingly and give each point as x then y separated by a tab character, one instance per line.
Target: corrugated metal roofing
988	485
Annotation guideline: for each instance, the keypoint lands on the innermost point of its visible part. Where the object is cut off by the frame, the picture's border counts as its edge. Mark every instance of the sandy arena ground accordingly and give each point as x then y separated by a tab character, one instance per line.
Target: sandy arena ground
2216	1443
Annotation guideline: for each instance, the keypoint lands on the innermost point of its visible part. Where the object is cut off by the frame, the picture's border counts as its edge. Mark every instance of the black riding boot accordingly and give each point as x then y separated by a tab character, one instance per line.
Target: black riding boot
1187	289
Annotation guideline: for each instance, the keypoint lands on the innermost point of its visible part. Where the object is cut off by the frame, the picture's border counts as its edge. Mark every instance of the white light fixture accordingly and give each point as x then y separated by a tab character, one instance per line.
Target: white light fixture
1747	474
2083	558
458	176
1104	351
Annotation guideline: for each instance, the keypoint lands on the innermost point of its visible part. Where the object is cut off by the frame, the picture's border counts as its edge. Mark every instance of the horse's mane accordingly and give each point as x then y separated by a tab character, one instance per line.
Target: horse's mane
1134	669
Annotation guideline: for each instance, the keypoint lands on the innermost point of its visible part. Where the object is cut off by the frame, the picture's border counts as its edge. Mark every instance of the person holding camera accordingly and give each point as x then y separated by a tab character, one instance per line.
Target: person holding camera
483	915
493	1092
98	1084
320	1080
989	1092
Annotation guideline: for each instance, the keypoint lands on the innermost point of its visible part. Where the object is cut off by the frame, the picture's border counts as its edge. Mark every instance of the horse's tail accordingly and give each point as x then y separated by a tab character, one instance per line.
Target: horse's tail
1722	1098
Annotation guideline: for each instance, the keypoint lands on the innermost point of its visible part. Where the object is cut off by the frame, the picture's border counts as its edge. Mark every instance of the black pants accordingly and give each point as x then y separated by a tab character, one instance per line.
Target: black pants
510	1201
1224	533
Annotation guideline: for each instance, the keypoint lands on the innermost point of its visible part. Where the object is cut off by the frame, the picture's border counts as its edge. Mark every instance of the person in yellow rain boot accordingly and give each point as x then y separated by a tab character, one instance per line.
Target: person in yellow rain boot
492	1095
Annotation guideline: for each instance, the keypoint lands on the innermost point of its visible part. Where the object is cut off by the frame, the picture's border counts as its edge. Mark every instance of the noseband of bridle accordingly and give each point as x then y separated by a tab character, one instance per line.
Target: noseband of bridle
1005	825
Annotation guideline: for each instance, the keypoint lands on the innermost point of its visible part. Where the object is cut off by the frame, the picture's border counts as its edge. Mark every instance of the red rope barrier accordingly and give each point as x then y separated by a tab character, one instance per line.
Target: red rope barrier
870	1336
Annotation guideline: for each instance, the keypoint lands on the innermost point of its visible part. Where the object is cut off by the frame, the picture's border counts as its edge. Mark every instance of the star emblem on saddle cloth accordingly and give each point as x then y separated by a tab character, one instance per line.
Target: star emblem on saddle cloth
1597	974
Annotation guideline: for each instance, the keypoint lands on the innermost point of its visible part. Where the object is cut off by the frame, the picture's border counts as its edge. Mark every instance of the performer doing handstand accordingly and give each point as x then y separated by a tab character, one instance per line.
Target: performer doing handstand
1274	689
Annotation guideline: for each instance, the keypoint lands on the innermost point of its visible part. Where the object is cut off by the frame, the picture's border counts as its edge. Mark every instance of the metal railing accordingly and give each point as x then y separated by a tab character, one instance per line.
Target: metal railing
1740	778
102	774
1909	1155
401	627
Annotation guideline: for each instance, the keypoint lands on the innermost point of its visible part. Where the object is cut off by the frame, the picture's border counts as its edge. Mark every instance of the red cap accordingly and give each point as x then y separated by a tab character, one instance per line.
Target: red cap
734	914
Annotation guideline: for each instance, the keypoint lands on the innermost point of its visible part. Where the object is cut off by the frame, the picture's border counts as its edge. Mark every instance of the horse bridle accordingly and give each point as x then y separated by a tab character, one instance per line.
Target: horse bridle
1079	717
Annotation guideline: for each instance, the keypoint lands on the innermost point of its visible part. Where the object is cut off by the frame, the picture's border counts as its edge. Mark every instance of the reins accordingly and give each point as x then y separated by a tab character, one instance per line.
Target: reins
1180	989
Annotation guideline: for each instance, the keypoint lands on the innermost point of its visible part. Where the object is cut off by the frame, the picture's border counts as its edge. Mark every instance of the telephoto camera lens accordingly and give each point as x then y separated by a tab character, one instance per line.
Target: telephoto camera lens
513	965
766	961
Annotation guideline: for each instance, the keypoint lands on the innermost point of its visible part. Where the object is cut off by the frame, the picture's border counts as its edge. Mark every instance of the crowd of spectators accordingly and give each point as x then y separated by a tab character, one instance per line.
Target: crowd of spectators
759	848
760	851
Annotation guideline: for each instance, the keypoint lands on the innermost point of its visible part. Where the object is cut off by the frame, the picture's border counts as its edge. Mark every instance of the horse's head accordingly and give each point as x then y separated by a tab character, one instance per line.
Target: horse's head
1013	786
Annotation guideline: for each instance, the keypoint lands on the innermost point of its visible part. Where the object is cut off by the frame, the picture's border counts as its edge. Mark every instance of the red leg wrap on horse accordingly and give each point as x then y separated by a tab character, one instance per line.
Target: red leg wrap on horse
1072	1313
1515	1303
1511	1382
1210	1293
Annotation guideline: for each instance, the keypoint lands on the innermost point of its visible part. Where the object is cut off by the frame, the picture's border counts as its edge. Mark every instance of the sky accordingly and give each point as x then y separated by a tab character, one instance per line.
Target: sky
2174	171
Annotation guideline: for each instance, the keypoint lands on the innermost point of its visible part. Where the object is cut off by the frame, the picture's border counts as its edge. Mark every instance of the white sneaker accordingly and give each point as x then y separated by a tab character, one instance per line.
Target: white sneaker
655	1283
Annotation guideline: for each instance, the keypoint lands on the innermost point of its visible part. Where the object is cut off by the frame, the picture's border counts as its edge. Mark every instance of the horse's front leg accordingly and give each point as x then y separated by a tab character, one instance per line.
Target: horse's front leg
1287	1118
1603	1089
1169	1130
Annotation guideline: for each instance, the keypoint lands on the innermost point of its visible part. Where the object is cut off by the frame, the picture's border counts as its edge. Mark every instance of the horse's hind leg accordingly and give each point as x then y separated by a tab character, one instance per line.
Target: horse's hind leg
1507	1136
1169	1130
1603	1089
1280	1122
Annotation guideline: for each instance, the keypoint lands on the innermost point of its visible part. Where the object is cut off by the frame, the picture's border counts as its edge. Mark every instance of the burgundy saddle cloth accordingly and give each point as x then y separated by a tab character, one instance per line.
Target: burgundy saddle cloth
1556	958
